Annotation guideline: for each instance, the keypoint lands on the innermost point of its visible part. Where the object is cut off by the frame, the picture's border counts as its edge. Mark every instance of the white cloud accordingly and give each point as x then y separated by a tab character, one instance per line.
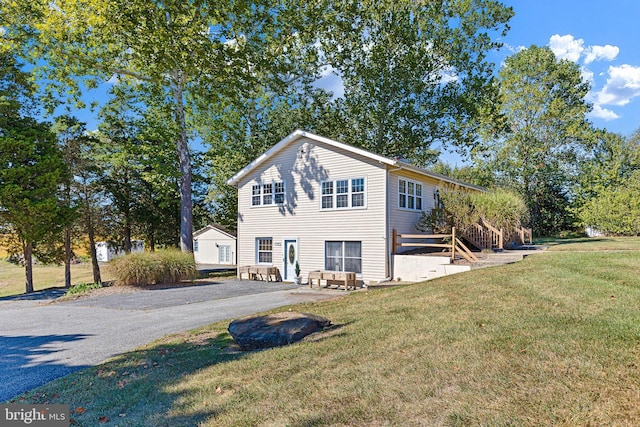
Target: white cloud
587	75
623	84
603	113
566	47
513	49
598	53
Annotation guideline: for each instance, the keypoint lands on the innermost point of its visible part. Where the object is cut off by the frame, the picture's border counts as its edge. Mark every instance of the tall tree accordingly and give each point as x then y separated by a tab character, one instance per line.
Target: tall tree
415	73
31	169
183	47
71	133
543	127
607	163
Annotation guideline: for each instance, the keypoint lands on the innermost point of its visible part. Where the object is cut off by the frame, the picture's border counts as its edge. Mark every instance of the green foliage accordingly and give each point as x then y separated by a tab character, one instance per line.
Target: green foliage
297	269
534	146
415	73
610	160
148	268
82	288
503	209
615	210
31	171
455	209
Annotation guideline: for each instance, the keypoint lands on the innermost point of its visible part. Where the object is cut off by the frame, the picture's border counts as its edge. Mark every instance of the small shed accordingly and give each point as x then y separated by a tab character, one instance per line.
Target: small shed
214	244
106	251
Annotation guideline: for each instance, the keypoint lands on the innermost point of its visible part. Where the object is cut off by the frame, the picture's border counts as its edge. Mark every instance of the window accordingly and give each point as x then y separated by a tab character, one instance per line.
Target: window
343	194
195	246
267	194
343	256
409	195
327	195
255	195
437	201
264	250
278	192
357	192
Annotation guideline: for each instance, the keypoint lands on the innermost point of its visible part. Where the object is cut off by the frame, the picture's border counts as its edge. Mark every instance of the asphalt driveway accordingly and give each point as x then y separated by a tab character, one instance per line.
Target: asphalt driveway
40	341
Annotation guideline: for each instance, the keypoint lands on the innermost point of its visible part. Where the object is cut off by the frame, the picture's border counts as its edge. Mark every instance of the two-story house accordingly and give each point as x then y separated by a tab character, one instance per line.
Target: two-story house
329	206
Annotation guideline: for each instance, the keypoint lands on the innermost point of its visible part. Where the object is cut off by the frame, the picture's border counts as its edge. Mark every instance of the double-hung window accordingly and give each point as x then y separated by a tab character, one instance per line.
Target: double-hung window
327	195
343	256
264	250
409	194
267	194
343	194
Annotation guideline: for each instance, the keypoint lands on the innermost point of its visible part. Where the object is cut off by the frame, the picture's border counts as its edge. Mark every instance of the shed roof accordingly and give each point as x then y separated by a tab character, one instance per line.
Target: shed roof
220	228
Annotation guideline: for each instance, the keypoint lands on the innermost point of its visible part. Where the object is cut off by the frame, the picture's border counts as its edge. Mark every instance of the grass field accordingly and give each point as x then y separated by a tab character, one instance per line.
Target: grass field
44	276
553	340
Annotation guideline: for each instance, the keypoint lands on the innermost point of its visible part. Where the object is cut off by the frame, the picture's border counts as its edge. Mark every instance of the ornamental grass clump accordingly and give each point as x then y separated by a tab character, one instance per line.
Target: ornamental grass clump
149	268
502	208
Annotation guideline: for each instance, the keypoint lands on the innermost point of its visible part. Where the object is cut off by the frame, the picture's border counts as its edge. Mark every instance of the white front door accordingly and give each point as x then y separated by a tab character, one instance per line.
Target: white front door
290	259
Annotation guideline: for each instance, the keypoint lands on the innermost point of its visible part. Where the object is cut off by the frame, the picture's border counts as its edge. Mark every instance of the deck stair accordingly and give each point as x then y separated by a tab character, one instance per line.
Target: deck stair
483	235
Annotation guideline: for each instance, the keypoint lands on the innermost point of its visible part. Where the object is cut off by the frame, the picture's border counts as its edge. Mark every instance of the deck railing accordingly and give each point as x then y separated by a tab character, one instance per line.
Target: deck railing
483	235
456	246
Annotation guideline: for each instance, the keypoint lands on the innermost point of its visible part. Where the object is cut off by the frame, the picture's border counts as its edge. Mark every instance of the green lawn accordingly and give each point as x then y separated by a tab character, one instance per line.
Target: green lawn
592	244
12	276
553	340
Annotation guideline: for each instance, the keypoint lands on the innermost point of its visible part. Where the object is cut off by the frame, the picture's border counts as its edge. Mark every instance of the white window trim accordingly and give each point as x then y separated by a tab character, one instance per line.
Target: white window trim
257	249
358	274
273	194
349	194
406	193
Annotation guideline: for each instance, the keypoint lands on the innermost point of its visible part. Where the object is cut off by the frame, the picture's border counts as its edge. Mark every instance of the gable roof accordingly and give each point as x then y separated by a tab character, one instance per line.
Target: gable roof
215	227
298	134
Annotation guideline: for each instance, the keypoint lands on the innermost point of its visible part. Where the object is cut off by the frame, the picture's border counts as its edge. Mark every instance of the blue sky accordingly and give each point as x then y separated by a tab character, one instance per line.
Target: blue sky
601	37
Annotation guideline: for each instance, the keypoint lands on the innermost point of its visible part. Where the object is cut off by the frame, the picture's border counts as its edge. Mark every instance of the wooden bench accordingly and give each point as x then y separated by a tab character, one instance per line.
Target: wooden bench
259	272
346	279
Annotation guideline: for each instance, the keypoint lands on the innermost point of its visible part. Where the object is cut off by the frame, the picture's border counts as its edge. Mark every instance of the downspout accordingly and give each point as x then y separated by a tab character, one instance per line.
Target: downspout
388	226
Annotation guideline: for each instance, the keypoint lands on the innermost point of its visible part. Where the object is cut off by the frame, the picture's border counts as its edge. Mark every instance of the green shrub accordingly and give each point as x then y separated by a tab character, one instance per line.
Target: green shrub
148	268
81	288
502	208
615	210
456	209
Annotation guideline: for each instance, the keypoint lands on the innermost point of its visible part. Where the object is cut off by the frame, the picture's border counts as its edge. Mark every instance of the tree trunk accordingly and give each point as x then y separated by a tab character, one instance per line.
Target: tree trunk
152	243
27	250
67	258
88	220
127	234
94	256
186	204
